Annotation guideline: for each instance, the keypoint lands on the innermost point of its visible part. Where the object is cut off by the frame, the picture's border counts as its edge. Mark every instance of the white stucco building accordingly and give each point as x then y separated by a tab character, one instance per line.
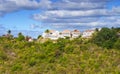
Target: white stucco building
66	33
75	33
88	33
52	34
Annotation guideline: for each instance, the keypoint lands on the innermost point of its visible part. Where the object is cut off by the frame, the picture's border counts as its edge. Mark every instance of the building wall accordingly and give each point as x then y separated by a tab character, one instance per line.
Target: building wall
87	34
53	35
75	34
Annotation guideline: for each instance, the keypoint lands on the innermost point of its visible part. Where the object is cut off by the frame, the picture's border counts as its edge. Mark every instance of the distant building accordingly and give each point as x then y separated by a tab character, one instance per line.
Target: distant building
66	33
52	34
88	33
75	33
29	39
60	35
8	35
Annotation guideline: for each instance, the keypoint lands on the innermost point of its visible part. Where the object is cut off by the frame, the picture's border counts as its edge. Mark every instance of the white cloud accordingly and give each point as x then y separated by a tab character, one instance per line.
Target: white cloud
63	13
80	12
77	16
34	26
7	6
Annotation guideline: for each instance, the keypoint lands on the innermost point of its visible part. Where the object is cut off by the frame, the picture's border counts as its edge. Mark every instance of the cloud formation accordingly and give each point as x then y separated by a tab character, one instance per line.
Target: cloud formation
64	13
80	12
7	6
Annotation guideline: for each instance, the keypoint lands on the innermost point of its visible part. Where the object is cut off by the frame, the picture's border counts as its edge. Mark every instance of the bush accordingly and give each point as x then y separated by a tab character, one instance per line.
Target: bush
117	44
16	67
3	56
105	38
32	62
20	37
69	48
83	47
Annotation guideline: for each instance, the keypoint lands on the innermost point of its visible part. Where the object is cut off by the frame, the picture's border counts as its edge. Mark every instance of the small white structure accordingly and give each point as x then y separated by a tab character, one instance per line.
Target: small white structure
52	34
75	33
30	40
60	35
88	33
66	33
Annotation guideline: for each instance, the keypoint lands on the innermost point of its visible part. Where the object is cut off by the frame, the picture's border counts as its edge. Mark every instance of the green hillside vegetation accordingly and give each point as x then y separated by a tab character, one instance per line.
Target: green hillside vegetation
98	55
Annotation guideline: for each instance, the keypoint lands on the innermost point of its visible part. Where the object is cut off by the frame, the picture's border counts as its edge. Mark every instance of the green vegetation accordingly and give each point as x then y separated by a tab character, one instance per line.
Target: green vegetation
20	37
106	38
47	31
63	56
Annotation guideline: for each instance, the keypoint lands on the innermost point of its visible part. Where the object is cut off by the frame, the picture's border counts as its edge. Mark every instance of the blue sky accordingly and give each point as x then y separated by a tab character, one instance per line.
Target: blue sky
32	17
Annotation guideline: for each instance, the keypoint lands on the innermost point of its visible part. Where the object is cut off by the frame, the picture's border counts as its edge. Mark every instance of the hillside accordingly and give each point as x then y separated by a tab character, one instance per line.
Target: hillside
62	57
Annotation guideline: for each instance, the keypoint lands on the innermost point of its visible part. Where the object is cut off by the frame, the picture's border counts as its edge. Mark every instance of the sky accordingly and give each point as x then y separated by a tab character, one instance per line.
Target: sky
33	17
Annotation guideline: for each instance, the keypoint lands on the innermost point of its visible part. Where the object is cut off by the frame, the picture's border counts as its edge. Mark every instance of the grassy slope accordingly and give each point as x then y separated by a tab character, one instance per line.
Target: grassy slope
63	57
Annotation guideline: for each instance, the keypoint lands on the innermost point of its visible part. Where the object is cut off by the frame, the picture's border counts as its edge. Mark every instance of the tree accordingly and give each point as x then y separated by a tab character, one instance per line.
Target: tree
27	38
39	36
117	44
105	38
47	31
9	32
20	37
9	36
96	29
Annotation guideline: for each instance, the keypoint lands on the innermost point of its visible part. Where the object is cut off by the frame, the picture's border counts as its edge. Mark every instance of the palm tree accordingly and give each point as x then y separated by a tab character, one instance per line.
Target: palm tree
96	29
47	31
39	36
9	32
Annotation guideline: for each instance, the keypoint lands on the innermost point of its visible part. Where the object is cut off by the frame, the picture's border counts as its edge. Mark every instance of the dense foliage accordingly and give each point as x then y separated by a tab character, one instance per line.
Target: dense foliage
105	38
20	37
64	56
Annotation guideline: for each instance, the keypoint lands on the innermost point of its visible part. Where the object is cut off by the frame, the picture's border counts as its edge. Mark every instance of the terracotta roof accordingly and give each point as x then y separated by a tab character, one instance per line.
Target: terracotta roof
76	31
66	31
51	31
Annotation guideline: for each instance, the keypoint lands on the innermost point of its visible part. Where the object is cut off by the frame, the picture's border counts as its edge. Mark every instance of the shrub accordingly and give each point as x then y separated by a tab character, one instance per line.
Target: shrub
20	37
105	38
117	44
3	56
16	67
57	53
69	48
83	47
32	62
